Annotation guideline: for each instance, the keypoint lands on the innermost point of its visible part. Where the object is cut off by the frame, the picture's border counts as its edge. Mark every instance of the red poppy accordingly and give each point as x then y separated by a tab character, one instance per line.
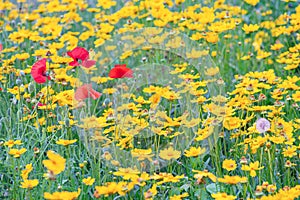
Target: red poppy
79	53
120	71
1	47
85	91
38	71
88	63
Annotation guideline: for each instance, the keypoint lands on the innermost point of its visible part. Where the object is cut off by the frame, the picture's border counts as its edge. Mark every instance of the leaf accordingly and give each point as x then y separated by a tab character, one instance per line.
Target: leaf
212	188
185	187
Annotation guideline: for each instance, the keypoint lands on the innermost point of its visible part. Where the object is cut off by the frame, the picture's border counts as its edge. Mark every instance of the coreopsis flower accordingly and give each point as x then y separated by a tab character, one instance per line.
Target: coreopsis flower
289	164
88	181
262	125
179	197
86	91
250	28
26	171
11	143
252	167
296	96
151	192
232	180
29	184
201	174
223	196
64	195
55	164
38	71
142	154
231	123
17	152
169	153
120	71
290	151
111	188
127	173
229	164
65	142
252	2
166	178
194	152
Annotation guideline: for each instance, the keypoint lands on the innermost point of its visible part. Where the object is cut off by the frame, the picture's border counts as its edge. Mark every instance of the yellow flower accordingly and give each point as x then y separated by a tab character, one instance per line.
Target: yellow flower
252	2
212	37
166	178
142	154
232	179
290	151
252	168
26	171
112	188
212	71
17	152
201	174
11	143
127	173
250	28
296	96
29	184
231	123
277	46
106	4
65	142
229	165
194	152
169	154
223	196
151	192
179	197
88	181
64	195
55	164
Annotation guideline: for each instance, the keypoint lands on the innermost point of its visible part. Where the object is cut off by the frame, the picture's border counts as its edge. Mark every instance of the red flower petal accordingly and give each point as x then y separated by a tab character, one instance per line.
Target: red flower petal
85	91
38	71
88	63
1	47
120	71
78	53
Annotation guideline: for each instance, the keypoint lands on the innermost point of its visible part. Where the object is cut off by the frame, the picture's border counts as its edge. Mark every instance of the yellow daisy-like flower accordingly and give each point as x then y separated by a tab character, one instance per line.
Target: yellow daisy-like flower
169	154
88	181
29	184
232	180
11	143
17	152
229	165
179	197
252	2
223	196
253	167
250	28
26	171
64	195
55	164
65	142
194	152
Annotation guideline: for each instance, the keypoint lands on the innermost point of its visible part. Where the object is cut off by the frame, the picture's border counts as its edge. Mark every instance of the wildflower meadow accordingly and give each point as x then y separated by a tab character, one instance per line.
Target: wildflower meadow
149	99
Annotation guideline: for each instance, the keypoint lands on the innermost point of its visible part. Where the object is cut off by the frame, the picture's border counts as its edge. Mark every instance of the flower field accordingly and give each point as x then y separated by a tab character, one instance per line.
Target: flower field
150	99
